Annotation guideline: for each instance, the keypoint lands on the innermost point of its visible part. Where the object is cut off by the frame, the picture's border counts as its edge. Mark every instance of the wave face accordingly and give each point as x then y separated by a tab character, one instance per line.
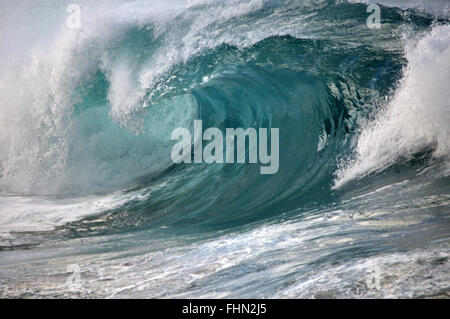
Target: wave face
86	176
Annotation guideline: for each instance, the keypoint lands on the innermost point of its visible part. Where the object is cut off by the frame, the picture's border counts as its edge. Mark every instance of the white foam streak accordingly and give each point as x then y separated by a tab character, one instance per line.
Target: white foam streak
418	115
41	214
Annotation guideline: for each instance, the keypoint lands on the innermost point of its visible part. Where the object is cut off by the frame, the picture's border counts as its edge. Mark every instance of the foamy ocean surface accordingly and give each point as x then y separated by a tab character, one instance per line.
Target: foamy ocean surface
92	206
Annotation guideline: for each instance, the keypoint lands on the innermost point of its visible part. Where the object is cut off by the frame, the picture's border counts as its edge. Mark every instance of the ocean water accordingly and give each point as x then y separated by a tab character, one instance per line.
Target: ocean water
92	206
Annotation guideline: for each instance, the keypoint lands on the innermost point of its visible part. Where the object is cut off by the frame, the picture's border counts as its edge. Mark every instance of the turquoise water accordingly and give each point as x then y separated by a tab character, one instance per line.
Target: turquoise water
358	208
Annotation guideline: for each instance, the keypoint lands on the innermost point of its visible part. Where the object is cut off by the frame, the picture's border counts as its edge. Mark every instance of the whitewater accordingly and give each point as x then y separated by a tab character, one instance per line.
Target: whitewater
92	205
